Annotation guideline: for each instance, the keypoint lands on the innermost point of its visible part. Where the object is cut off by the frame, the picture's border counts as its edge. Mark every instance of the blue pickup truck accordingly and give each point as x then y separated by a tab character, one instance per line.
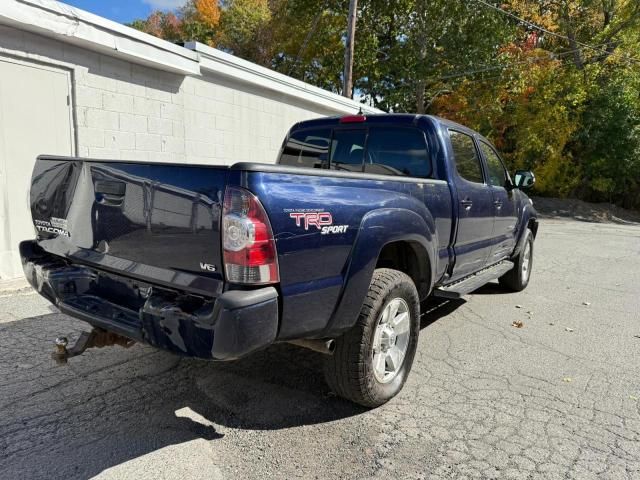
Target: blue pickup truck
333	248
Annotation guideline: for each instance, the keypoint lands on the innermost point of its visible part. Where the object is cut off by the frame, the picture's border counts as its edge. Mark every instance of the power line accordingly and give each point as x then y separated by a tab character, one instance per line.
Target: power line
491	67
564	64
305	43
502	66
547	31
497	77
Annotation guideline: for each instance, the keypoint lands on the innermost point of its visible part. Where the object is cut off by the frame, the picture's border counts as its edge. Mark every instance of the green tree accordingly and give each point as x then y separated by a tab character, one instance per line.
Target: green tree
411	49
309	41
245	30
201	21
608	140
562	100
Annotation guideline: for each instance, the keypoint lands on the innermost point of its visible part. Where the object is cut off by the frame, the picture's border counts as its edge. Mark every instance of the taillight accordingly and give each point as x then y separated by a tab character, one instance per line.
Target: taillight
247	240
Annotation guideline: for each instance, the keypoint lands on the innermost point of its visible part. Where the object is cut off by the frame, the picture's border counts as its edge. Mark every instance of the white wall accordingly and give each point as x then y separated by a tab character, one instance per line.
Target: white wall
33	98
128	111
125	110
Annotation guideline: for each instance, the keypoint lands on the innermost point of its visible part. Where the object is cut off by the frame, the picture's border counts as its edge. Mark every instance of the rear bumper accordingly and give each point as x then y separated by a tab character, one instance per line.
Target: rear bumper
231	326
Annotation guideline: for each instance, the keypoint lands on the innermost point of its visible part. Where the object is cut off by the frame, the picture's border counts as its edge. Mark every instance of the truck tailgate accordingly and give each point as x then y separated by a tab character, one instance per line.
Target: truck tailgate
156	222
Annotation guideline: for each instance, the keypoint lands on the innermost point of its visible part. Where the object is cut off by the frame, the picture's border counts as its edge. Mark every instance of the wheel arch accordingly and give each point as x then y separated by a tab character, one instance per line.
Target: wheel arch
384	232
532	225
409	257
529	221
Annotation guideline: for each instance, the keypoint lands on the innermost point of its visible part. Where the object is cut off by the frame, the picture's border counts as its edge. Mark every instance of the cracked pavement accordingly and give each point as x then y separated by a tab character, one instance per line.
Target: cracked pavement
557	398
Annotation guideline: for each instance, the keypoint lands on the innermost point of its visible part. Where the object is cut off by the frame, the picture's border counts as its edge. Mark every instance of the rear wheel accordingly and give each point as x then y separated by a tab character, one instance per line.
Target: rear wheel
371	361
517	279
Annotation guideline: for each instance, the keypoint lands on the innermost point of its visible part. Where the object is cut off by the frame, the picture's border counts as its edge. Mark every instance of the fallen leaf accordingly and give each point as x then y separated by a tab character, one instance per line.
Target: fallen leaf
633	397
567	379
517	324
518	306
568	329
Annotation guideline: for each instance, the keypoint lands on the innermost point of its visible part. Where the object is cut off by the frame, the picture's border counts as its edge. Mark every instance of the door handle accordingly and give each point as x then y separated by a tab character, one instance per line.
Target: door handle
498	204
466	203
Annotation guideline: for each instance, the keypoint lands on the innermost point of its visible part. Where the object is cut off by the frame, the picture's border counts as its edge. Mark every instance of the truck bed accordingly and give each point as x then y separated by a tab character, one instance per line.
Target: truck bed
159	226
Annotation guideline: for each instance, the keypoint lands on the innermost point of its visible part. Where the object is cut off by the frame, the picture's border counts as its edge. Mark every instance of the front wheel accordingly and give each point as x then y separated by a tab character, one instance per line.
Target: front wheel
371	361
517	279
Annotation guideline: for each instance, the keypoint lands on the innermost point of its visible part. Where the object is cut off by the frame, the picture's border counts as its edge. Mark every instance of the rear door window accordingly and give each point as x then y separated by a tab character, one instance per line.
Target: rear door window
307	148
466	157
397	151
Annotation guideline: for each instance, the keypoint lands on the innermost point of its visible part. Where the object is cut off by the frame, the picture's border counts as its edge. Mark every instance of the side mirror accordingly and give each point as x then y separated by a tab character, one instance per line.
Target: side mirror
524	179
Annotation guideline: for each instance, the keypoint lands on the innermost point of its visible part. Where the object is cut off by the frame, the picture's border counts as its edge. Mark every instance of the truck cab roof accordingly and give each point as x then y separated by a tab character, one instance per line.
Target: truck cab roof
397	119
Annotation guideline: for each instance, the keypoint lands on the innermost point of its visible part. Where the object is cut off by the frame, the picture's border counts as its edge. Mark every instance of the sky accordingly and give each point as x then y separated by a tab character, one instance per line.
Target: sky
124	11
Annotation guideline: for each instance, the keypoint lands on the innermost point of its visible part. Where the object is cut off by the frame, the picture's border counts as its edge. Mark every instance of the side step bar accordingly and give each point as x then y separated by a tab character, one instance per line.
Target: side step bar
468	284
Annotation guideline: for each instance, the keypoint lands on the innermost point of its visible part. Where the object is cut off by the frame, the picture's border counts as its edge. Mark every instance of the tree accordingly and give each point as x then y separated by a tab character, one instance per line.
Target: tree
599	23
609	140
165	25
419	43
244	30
201	21
308	41
556	91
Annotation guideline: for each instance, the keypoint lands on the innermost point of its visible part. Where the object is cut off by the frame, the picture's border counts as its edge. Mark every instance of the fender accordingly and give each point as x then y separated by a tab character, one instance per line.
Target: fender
528	213
374	233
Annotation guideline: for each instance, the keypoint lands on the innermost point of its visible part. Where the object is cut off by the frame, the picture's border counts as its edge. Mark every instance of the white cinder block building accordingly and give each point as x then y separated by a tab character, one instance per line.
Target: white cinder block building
73	83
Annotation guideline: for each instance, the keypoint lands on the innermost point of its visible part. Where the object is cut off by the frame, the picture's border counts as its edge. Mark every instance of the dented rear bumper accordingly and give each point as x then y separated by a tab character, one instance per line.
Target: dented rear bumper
230	326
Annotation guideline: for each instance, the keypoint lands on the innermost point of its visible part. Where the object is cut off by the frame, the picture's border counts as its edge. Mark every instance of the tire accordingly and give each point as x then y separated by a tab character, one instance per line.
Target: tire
350	371
517	279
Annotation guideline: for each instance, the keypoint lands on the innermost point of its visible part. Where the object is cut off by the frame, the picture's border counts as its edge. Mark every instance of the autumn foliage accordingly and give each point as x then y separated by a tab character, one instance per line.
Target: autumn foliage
556	90
208	11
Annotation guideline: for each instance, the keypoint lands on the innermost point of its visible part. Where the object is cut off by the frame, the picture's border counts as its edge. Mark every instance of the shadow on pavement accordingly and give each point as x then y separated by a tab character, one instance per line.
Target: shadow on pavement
436	308
112	405
492	288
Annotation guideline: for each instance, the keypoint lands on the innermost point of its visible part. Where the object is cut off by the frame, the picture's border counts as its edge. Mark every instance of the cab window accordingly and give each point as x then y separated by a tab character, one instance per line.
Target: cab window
495	168
466	157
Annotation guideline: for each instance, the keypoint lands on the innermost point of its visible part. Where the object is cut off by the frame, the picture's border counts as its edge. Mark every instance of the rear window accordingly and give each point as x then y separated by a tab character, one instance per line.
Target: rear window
307	148
347	149
398	151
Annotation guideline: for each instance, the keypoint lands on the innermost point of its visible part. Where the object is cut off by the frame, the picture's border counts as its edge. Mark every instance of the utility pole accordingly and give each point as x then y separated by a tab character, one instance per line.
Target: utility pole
347	85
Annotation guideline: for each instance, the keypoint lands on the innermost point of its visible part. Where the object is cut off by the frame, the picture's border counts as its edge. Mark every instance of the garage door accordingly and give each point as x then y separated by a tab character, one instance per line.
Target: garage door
35	118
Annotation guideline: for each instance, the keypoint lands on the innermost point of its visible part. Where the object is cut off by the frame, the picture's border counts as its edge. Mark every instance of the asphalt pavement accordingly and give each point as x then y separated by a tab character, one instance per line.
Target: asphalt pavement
540	384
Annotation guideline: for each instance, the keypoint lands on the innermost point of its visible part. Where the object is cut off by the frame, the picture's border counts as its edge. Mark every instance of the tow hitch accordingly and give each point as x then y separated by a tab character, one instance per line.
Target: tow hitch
97	338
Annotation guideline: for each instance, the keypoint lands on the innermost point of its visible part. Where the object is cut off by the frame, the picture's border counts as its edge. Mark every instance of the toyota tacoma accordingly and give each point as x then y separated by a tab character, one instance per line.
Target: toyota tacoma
333	248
